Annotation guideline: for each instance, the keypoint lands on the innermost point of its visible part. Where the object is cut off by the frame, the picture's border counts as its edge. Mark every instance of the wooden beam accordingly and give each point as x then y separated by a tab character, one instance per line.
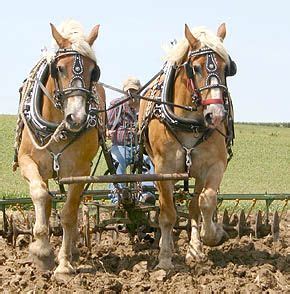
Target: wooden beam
127	178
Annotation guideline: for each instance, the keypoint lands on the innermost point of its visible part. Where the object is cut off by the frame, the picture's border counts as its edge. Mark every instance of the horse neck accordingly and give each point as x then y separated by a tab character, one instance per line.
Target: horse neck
49	112
183	96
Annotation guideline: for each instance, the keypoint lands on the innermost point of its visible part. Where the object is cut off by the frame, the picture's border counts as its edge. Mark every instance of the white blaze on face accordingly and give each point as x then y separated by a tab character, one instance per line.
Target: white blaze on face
76	105
216	111
215	93
75	108
75	113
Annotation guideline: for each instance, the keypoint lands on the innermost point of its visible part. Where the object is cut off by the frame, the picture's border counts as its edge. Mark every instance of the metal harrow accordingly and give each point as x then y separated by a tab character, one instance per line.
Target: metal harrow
239	224
134	218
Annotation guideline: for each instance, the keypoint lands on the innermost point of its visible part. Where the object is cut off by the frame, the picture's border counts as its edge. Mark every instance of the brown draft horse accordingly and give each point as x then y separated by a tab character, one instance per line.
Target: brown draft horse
178	139
66	102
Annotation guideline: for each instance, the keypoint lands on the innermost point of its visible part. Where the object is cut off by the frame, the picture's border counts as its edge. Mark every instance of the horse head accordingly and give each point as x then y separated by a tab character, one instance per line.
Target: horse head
207	67
73	69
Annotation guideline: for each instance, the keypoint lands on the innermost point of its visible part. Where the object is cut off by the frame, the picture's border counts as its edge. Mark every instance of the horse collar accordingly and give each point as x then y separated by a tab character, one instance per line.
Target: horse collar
42	129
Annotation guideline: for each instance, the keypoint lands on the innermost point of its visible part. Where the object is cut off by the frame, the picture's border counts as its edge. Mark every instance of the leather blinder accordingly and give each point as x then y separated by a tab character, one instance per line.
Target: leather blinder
96	73
53	70
231	70
189	70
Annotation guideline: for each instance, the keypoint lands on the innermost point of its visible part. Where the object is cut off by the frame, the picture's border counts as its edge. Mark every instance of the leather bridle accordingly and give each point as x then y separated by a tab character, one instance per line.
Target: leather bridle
212	71
84	90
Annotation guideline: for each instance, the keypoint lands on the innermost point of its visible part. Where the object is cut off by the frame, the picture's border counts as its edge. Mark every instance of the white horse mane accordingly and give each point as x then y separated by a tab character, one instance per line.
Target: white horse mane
74	32
176	53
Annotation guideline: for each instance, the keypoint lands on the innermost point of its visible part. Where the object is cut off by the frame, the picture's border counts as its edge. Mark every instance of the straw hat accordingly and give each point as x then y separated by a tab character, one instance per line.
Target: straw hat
131	83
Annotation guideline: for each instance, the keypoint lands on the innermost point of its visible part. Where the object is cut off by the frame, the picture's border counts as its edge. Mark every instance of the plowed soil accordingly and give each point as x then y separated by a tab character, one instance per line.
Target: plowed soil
245	265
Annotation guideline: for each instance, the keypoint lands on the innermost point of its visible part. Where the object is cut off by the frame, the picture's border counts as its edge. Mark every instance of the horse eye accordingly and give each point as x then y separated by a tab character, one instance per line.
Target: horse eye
60	69
197	69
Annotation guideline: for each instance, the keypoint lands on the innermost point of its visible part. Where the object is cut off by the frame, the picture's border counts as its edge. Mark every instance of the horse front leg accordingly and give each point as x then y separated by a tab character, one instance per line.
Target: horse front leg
212	233
194	252
69	218
40	250
167	219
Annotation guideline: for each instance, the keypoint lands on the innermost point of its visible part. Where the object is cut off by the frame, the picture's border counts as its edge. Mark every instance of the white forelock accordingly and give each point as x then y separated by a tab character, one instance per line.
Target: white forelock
176	53
74	32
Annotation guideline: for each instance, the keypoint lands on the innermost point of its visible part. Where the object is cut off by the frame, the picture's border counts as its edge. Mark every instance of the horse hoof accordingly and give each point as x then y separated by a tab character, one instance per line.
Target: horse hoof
216	239
43	263
64	268
61	277
42	255
194	255
164	265
224	238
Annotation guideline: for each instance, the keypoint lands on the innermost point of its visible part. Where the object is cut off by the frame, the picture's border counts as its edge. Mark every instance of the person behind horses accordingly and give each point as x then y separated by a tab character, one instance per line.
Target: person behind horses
122	126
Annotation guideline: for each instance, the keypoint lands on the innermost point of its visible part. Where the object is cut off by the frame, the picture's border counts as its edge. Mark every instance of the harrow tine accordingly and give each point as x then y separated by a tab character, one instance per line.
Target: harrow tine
275	227
258	224
262	226
16	231
242	224
226	219
283	209
228	226
251	208
86	222
235	220
236	205
10	229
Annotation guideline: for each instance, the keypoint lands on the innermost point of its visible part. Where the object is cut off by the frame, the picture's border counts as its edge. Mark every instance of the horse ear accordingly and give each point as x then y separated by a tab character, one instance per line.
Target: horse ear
93	35
221	32
60	40
193	42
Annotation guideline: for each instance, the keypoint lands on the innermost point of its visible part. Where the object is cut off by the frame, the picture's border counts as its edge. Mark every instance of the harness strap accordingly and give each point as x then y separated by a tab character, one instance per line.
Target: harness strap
212	101
107	154
56	164
44	90
137	96
205	135
117	118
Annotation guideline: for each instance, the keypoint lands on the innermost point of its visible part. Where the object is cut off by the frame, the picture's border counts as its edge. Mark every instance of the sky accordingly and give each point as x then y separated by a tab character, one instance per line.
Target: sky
131	37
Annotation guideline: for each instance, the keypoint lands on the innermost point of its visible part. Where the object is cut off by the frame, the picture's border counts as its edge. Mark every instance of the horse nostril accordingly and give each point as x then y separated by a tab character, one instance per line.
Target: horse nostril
208	118
70	119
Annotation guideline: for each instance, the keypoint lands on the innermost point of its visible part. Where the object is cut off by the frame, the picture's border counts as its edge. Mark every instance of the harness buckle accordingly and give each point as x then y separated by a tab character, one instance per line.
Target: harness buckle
188	161
55	165
92	121
63	135
195	133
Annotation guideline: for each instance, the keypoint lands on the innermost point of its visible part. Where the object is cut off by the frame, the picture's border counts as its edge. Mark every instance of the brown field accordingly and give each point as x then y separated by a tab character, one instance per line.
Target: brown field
247	265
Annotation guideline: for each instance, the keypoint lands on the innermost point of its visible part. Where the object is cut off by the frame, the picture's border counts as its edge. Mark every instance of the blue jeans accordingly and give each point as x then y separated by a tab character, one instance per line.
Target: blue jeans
124	155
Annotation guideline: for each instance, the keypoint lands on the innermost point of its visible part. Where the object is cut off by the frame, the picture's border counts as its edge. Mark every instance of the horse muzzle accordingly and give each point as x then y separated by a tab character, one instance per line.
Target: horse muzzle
75	113
75	123
214	115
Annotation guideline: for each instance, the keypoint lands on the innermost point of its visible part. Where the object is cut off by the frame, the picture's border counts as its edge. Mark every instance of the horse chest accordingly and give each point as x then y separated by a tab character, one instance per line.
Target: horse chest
74	161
